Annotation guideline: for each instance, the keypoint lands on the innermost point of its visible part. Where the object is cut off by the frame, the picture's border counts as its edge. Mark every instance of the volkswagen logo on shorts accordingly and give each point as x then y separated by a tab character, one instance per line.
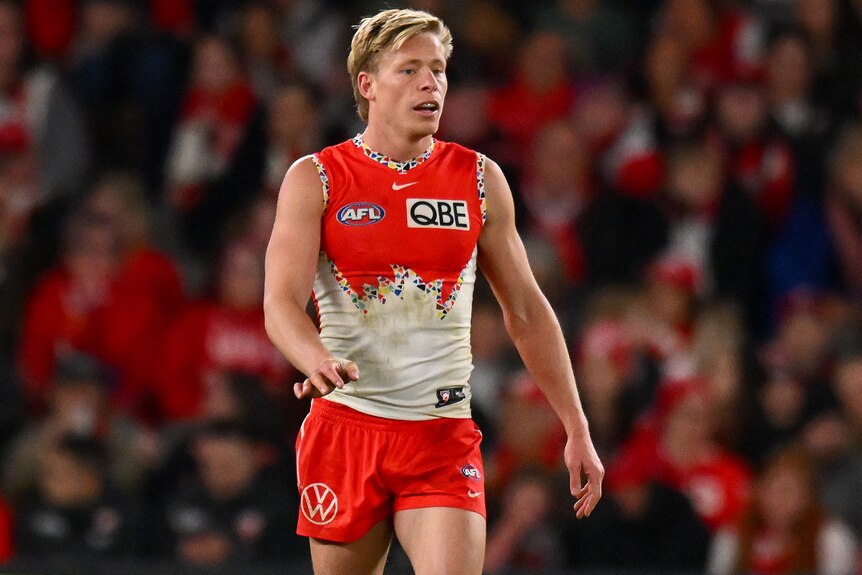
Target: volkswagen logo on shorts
360	214
470	472
319	503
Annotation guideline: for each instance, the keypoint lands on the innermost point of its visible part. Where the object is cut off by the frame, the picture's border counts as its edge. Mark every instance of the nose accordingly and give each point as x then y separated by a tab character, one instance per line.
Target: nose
429	81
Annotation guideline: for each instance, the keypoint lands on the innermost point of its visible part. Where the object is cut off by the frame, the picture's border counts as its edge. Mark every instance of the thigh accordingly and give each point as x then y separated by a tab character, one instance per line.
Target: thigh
365	556
442	540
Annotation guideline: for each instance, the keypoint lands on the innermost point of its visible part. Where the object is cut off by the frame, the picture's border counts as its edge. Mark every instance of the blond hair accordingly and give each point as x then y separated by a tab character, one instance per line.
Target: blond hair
386	30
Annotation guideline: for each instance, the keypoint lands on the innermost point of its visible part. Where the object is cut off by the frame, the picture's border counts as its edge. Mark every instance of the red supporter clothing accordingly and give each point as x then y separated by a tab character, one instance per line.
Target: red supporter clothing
734	51
147	296
51	26
225	115
210	338
6	545
765	169
520	113
356	470
123	328
718	484
56	318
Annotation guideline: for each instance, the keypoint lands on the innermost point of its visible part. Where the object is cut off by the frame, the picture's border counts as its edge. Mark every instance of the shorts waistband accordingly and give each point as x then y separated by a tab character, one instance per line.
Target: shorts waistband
343	414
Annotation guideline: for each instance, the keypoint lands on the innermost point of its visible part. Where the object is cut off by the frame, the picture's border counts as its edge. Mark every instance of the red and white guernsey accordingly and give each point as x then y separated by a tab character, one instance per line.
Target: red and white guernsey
395	277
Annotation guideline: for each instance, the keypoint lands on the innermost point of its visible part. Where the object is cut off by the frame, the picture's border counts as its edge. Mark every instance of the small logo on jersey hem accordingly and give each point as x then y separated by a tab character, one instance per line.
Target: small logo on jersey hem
397	187
474	494
449	395
360	214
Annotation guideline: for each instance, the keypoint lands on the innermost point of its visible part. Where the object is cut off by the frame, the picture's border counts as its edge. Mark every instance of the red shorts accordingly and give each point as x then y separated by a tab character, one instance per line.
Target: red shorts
355	470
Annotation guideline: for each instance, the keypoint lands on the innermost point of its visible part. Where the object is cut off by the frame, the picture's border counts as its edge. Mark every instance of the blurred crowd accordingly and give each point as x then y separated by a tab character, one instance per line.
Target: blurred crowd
688	181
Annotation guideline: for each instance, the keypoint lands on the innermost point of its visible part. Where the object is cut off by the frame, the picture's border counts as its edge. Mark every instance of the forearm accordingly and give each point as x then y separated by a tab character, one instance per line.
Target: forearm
538	338
295	335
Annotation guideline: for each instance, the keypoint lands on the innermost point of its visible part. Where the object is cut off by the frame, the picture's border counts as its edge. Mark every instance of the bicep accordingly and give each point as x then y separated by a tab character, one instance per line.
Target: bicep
294	245
502	257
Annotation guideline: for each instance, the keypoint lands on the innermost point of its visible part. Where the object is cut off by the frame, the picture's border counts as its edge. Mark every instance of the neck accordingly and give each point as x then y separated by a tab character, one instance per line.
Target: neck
398	146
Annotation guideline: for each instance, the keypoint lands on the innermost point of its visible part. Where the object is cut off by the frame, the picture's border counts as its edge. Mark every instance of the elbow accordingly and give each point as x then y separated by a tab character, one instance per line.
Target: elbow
528	319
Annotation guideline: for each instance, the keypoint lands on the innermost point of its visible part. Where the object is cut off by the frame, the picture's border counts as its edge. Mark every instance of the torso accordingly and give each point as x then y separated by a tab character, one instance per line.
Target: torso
395	276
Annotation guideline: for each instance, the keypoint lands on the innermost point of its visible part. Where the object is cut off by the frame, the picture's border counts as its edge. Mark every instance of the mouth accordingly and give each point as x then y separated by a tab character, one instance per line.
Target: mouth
428	108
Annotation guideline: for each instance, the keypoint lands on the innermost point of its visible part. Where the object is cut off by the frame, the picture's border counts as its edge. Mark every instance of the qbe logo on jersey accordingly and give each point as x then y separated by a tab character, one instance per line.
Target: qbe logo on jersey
319	503
438	214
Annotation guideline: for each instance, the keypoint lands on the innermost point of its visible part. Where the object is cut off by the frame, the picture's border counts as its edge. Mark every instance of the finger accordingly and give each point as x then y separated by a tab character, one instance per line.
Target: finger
330	372
583	491
305	390
575	483
352	371
321	385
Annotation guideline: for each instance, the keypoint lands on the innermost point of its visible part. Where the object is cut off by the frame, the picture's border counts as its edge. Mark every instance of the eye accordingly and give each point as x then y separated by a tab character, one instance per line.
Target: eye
439	71
408	71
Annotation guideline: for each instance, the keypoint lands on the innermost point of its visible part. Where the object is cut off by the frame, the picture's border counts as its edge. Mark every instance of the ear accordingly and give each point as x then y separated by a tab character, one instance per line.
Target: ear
365	83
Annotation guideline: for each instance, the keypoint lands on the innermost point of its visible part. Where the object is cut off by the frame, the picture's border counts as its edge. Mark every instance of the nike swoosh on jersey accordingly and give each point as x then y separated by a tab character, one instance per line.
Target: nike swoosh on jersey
474	494
397	187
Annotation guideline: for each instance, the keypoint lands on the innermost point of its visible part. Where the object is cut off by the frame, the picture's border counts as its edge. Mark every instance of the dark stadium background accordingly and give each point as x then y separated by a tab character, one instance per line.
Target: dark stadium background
688	180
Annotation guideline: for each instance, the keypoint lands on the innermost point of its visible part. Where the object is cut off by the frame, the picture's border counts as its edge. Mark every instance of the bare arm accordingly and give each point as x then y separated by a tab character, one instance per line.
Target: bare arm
291	261
534	329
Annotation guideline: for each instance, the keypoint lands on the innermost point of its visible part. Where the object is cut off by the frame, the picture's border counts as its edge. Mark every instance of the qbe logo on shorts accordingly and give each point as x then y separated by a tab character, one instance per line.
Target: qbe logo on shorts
319	503
437	214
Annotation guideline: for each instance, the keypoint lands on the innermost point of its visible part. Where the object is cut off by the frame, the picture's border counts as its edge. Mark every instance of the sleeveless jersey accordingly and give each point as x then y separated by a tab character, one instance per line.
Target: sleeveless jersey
395	276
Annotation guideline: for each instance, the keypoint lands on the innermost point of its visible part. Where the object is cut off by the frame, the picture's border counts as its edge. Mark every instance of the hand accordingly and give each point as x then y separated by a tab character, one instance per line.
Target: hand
330	374
581	459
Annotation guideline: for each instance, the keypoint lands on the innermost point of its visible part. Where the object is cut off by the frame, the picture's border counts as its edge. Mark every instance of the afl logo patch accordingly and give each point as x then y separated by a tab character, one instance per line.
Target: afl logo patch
360	214
470	472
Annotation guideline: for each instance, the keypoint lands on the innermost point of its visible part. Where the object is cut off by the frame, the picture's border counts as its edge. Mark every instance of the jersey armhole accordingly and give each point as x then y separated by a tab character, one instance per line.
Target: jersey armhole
480	184
324	179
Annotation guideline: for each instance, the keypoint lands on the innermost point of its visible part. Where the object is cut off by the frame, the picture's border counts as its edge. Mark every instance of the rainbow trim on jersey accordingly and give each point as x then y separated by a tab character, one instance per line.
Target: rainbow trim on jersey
386	287
324	179
400	167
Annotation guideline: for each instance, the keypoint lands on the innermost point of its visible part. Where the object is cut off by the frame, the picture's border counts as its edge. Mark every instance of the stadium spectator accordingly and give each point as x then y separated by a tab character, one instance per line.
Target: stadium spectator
599	36
524	538
43	139
785	530
218	110
718	351
844	205
835	438
129	83
79	404
715	226
294	130
235	513
760	162
62	312
224	334
677	447
615	390
542	94
264	55
76	517
788	75
648	527
147	283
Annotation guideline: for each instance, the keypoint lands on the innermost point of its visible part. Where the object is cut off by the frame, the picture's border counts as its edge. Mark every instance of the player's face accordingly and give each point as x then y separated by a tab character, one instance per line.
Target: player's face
409	87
